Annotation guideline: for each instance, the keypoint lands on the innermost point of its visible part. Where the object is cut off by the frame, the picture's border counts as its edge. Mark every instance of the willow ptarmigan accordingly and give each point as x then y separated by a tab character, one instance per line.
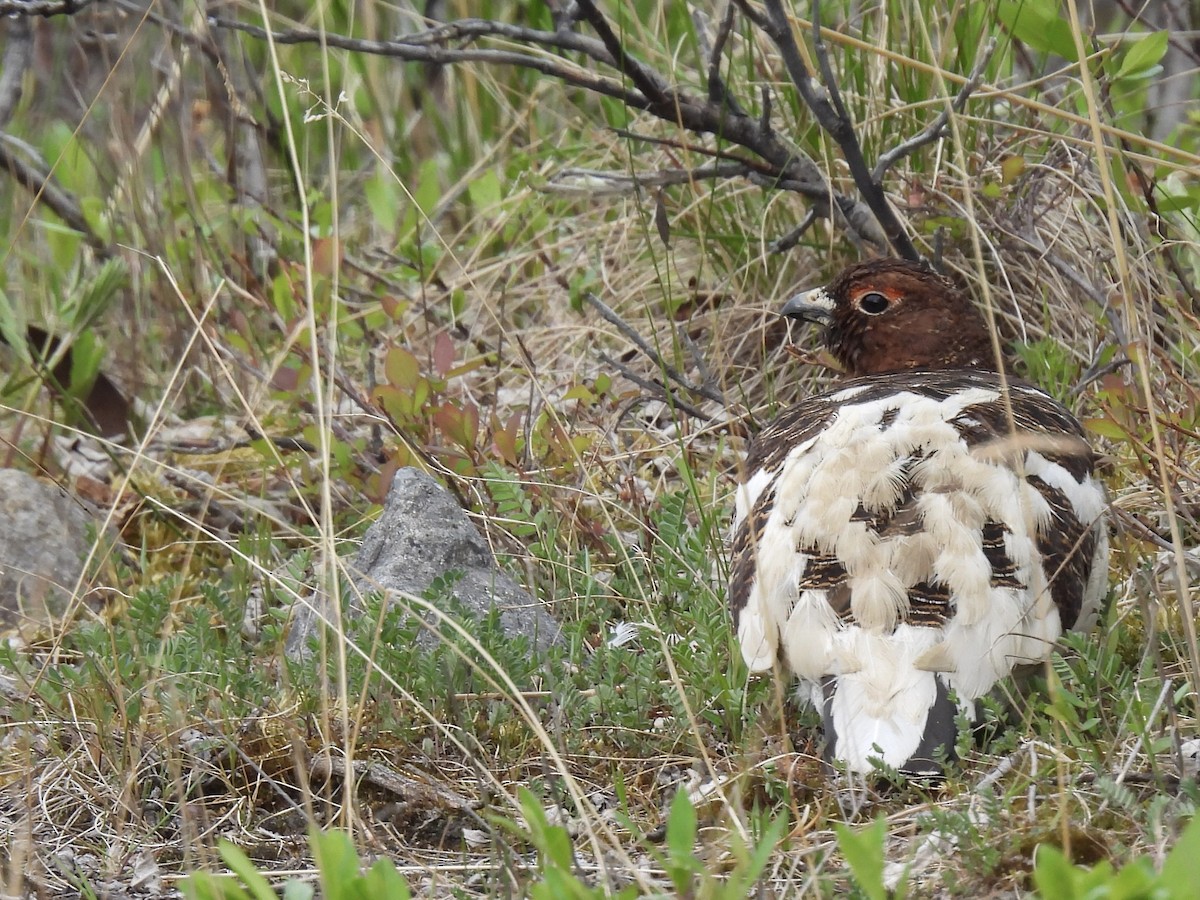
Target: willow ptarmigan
907	539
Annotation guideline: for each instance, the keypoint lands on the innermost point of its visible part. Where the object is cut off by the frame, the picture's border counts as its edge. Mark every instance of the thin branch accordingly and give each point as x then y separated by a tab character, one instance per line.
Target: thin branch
822	53
839	127
718	91
18	54
706	375
758	173
471	29
604	183
792	238
938	126
644	79
610	315
1098	370
422	48
655	388
756	18
46	190
42	8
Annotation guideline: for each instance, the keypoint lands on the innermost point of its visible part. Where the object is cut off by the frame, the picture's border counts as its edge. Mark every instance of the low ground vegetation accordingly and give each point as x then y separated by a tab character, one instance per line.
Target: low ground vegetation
543	296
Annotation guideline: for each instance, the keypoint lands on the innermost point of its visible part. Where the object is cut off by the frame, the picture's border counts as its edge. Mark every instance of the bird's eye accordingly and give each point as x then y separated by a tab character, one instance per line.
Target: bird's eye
873	303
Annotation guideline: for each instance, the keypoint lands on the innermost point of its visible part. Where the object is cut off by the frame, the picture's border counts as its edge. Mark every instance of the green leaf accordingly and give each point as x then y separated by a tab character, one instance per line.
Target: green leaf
239	863
1053	874
863	851
551	840
92	298
429	187
1039	24
1179	869
298	890
485	191
681	838
337	863
1107	428
747	871
1143	57
86	358
206	886
1134	882
382	880
383	198
13	329
401	369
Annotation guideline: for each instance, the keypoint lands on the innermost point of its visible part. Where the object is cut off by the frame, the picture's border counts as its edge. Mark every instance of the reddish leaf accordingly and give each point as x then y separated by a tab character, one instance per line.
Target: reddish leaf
443	354
504	440
286	378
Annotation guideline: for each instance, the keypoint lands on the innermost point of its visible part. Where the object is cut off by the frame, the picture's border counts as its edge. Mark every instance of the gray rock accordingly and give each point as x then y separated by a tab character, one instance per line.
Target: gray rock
423	534
44	541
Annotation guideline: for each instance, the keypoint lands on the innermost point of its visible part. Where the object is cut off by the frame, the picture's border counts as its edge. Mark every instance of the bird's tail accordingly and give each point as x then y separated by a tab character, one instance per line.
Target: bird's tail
914	733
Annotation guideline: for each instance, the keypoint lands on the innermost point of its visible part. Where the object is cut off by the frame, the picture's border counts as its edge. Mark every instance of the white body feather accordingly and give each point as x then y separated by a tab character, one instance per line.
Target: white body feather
865	457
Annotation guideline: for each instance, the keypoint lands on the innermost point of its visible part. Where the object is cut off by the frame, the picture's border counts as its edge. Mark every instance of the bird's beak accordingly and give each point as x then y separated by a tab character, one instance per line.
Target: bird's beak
810	306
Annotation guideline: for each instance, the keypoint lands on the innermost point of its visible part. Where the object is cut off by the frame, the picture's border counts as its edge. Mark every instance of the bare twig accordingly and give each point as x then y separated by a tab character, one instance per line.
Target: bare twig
426	47
18	53
646	81
836	124
792	238
640	87
427	793
596	183
46	190
610	315
706	375
1098	370
938	126
718	91
656	388
42	8
822	53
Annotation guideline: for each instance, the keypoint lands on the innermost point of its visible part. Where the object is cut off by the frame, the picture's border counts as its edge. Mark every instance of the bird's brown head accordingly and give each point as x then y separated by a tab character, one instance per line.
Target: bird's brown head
890	315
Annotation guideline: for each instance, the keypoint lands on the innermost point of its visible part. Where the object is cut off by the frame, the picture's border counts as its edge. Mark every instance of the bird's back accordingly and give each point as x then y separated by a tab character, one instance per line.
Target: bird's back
908	535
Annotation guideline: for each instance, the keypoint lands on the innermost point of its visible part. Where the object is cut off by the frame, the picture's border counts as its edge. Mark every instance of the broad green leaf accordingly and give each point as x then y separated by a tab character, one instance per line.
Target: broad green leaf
1179	869
401	368
337	863
863	851
239	863
383	198
681	826
1134	882
1144	55
206	886
1039	24
382	880
1053	874
13	328
298	890
485	190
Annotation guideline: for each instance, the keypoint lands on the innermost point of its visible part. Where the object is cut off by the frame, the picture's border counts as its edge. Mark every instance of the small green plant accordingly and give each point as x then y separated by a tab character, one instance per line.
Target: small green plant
338	866
688	873
863	851
1057	879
